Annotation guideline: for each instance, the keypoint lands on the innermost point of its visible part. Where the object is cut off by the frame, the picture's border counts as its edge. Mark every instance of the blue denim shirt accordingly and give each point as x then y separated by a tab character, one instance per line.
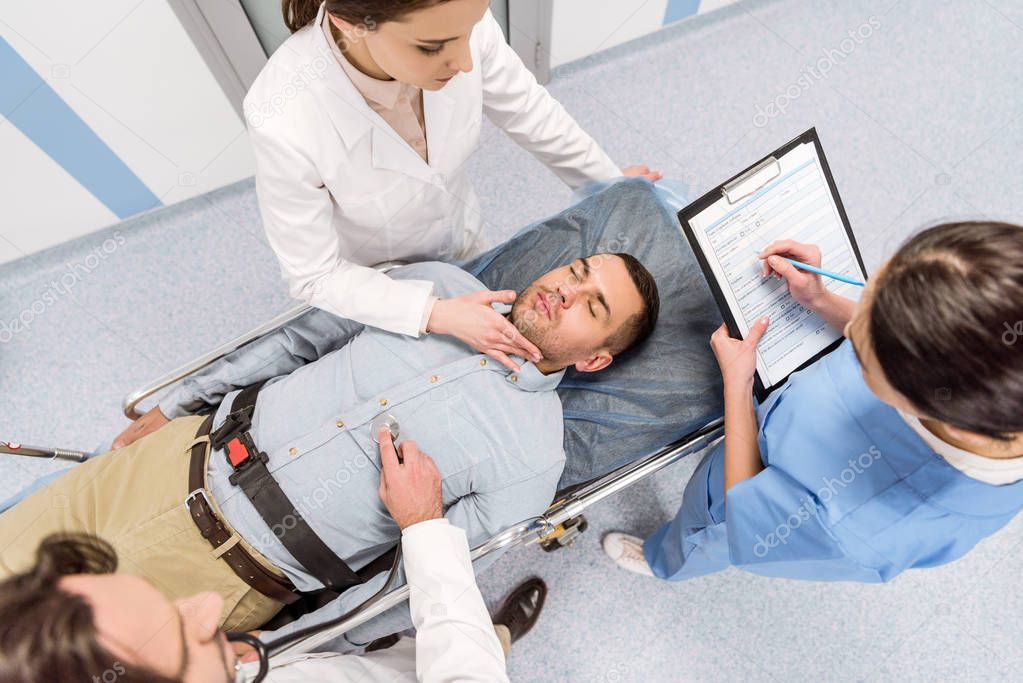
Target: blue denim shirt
496	437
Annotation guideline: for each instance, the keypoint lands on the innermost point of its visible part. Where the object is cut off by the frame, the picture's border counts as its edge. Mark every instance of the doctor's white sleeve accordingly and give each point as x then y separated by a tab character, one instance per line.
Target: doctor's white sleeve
530	115
455	639
481	515
394	620
298	216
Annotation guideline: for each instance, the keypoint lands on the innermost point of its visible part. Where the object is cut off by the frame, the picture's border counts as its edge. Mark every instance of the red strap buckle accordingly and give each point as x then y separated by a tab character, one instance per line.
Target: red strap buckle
237	453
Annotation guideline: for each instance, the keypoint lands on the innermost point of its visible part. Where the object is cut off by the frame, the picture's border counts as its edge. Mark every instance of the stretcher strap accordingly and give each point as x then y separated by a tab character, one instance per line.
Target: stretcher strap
283	518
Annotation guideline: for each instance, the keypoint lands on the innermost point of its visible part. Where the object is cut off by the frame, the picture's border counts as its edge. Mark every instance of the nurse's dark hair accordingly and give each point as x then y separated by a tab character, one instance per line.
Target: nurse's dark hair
369	13
946	325
47	634
638	327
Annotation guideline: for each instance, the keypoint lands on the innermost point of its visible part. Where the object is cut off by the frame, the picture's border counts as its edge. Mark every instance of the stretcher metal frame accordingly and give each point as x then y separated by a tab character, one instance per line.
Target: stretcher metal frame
563	511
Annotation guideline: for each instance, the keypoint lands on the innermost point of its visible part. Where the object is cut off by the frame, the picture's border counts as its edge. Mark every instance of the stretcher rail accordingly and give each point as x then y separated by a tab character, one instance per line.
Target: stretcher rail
132	400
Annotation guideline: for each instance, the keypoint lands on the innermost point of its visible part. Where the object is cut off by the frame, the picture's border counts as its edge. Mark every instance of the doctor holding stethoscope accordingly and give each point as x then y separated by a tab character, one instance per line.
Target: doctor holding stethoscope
362	123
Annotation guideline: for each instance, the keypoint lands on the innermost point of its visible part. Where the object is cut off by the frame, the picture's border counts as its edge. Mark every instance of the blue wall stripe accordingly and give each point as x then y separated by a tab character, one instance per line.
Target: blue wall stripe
680	9
27	101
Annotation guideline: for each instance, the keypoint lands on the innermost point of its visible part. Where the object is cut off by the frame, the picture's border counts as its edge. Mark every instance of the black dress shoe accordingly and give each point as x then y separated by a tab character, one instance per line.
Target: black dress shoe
521	609
383	642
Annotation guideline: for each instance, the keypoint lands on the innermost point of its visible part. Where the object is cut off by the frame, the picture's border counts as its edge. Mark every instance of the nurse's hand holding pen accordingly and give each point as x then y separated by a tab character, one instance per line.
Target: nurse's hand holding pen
807	288
471	319
737	358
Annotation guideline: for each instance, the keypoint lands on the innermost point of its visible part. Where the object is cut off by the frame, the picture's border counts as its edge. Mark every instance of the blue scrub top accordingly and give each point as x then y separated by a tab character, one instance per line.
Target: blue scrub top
849	493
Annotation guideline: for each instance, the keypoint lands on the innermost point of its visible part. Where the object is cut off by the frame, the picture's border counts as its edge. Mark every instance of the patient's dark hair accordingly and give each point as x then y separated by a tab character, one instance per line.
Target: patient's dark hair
945	325
47	634
298	13
636	329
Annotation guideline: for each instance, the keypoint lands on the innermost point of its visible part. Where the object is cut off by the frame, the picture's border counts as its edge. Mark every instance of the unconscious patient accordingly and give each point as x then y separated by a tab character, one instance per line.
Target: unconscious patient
287	501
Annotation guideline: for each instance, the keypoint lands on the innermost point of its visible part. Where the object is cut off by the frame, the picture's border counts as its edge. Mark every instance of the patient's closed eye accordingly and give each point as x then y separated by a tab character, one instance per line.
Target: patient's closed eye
586	271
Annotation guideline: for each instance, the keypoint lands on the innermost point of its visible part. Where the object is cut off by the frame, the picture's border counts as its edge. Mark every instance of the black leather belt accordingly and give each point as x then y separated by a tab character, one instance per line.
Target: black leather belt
213	530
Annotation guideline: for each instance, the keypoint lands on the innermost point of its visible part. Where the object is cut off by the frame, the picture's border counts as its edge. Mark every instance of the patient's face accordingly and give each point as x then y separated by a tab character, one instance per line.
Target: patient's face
571	311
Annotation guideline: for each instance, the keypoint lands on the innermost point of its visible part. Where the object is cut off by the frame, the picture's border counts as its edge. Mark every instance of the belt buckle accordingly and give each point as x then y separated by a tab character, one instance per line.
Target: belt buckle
198	492
236	423
239	451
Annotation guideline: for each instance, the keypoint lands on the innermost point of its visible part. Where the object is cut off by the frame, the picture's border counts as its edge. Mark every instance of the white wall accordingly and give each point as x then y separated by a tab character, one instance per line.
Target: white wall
139	90
582	27
131	75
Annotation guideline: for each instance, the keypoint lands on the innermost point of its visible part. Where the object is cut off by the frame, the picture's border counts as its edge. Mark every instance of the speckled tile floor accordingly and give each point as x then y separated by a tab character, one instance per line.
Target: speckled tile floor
921	121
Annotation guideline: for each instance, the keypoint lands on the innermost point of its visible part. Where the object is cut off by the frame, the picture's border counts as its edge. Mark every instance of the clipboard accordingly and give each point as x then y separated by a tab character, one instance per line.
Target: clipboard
789	189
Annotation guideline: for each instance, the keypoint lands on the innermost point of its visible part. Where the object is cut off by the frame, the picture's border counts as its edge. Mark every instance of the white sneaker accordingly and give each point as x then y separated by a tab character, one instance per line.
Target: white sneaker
627	552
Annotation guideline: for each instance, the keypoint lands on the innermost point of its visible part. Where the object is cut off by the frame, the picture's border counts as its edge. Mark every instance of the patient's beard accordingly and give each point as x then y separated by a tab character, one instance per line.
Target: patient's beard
537	329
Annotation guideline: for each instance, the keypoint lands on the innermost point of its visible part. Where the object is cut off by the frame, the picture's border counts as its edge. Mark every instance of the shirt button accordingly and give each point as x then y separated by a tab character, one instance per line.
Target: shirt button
383	402
433	379
514	378
438	179
483	361
340	424
292	451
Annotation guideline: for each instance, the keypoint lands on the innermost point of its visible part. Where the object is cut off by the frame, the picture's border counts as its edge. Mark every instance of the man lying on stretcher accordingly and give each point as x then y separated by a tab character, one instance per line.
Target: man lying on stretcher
496	437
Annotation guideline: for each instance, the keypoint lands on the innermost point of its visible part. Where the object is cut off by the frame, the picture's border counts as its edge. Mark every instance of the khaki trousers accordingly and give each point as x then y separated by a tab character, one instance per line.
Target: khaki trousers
134	499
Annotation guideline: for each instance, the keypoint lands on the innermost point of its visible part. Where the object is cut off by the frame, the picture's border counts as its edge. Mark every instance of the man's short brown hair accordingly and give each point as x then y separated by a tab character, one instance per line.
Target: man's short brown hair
638	327
48	634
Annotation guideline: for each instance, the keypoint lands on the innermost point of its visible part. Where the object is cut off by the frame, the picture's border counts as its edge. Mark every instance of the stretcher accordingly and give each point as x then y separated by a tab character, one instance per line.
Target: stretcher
559	526
641	415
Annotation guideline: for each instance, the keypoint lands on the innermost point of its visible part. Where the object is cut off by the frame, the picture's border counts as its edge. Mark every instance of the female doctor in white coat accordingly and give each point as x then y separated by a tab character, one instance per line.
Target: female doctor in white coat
362	123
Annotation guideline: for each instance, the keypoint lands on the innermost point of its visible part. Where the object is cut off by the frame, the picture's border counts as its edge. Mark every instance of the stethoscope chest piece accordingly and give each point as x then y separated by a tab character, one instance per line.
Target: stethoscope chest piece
385	420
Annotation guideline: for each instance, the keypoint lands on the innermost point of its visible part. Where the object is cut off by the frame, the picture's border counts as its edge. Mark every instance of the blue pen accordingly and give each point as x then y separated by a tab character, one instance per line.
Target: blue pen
825	273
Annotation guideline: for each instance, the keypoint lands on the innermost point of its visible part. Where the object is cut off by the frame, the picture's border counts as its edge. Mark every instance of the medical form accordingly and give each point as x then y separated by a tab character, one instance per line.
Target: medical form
788	195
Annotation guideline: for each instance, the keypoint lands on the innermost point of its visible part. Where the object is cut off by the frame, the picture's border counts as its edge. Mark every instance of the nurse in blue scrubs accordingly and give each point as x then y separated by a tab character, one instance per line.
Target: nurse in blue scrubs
901	449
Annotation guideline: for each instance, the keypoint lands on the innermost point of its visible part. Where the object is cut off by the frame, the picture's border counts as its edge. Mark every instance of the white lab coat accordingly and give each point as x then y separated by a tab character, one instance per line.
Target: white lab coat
340	190
455	639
